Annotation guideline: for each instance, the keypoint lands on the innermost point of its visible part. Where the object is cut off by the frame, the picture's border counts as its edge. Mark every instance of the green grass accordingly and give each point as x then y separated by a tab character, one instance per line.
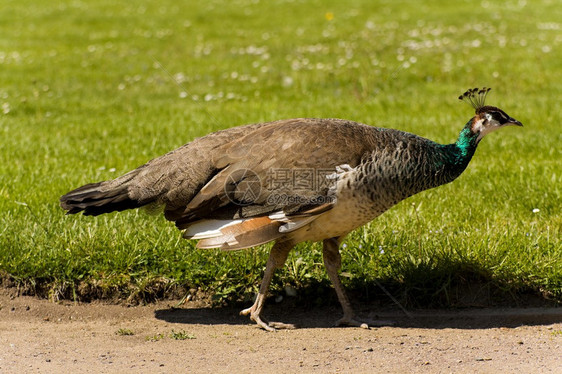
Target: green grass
90	90
175	335
181	335
124	332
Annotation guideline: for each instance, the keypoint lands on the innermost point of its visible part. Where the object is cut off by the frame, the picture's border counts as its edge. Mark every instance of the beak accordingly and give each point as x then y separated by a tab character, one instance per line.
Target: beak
513	121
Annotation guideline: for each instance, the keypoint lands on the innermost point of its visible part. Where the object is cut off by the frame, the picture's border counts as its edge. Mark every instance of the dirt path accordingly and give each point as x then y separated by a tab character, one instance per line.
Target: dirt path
39	336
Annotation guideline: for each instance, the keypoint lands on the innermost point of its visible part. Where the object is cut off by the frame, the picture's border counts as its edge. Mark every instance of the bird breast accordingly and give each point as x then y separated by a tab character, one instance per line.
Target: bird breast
353	207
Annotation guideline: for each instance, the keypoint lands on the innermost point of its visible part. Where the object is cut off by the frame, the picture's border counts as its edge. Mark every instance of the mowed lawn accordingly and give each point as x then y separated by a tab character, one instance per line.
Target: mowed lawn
92	89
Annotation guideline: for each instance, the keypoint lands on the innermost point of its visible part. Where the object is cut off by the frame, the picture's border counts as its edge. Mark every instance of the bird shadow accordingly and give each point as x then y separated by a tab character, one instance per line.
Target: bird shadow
324	317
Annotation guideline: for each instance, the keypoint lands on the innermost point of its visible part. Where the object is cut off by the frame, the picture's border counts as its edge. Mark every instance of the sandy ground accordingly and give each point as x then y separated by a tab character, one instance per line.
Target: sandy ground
43	337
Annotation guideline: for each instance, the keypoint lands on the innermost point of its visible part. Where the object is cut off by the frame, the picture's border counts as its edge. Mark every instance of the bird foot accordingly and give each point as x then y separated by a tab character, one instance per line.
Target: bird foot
350	321
282	325
264	324
246	311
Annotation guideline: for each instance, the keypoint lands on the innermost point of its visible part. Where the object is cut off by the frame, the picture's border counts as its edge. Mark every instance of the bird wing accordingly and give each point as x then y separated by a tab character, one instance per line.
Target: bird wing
285	166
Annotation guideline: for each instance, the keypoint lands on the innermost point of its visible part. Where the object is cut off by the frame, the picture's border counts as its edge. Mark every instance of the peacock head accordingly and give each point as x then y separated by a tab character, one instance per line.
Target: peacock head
487	118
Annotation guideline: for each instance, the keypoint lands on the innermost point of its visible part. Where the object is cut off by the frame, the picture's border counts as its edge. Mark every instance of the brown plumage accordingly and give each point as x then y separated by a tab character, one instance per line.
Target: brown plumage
287	181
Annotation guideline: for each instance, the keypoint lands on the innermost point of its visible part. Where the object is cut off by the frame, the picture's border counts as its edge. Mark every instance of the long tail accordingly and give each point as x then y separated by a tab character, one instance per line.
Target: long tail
102	197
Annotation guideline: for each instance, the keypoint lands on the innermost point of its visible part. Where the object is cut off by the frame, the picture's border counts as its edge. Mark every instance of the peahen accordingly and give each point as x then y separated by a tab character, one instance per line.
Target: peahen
290	181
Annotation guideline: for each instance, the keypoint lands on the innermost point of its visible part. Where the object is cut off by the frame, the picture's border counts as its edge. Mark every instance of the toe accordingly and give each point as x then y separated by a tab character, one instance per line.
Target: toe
281	325
350	321
381	323
263	324
246	311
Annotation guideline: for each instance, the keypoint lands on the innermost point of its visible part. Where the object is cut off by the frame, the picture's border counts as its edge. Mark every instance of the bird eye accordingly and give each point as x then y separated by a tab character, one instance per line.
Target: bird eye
501	117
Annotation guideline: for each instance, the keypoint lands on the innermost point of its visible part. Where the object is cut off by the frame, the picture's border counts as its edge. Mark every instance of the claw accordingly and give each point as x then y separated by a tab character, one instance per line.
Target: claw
346	321
262	324
268	326
381	323
246	311
350	321
281	325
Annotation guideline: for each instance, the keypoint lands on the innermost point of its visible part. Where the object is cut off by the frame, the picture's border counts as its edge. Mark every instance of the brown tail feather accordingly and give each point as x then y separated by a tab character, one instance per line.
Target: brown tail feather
93	200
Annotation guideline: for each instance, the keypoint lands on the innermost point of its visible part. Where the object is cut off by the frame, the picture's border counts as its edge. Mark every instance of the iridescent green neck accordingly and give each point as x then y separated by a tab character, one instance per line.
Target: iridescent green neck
467	142
454	158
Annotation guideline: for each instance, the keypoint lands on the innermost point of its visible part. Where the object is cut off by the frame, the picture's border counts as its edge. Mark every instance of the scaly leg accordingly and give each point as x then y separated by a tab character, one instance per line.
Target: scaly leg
277	259
332	262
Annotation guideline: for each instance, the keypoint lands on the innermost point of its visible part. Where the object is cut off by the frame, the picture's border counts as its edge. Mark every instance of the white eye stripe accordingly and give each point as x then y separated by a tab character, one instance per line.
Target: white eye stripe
498	116
504	117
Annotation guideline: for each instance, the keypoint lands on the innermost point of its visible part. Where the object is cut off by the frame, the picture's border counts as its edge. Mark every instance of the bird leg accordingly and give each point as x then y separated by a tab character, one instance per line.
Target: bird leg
332	262
277	258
